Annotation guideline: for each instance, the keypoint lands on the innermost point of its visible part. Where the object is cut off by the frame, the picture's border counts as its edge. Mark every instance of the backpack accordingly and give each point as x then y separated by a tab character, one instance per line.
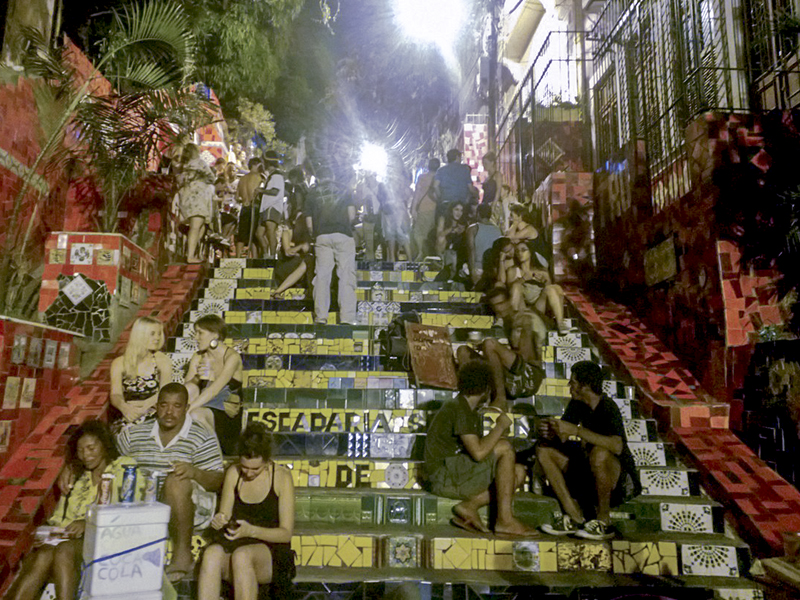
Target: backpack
393	342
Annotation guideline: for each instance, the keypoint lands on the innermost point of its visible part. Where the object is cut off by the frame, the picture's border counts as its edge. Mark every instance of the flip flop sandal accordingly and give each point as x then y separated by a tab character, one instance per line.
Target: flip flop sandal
465	525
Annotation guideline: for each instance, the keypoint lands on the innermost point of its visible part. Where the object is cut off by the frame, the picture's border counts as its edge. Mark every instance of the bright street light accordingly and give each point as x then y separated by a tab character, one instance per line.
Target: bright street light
373	158
436	22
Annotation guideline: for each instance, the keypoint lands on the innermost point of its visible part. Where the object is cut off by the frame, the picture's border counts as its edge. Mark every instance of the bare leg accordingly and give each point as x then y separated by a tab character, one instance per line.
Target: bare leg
554	463
33	576
391	250
606	469
178	495
193	239
506	481
468	509
215	567
500	358
552	297
272	238
66	568
204	416
293	278
251	565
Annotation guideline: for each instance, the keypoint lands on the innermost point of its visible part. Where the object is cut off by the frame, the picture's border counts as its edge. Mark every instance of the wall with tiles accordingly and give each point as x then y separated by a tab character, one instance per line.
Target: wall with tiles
671	265
93	281
38	365
28	475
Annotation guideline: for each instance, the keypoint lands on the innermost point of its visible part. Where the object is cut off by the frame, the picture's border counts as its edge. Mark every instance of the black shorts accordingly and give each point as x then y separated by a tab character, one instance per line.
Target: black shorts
245	221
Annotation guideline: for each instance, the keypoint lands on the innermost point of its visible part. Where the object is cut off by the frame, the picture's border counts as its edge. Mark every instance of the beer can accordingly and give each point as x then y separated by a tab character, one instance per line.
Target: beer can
151	487
128	492
106	485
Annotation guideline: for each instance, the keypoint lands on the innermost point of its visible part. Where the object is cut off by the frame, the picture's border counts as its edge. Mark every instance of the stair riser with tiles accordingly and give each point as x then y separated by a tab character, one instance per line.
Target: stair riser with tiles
352	434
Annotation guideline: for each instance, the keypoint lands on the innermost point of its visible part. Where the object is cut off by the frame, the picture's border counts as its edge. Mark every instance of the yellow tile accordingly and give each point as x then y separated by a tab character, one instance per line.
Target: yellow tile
548	559
348	553
437	559
327	540
329	552
315	560
499	562
363	541
503	547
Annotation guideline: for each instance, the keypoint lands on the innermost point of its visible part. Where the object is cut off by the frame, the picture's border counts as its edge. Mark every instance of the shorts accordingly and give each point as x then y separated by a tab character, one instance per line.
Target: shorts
531	292
271	214
461	477
523	378
394	230
245	221
205	505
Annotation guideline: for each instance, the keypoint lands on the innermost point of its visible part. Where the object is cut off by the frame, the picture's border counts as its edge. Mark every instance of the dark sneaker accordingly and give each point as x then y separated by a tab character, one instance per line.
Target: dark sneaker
562	525
595	530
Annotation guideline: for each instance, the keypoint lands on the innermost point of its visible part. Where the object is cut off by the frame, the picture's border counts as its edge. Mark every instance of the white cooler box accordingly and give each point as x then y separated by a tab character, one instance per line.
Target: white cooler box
115	531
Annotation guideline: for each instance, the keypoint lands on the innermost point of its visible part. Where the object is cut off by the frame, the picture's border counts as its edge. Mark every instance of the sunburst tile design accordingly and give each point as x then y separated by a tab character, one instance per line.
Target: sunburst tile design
526	556
227	273
624	408
233	263
572	354
648	454
207	306
687	518
180	362
636	430
185	344
709	561
656	482
220	289
570	340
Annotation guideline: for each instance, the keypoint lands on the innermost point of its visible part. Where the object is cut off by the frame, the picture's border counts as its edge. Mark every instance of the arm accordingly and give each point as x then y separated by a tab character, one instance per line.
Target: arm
225	508
564	430
232	364
480	447
165	368
310	225
284	487
472	231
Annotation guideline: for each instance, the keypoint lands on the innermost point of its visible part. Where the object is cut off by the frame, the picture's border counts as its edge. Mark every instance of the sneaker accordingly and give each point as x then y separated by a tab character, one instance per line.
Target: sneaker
562	525
595	530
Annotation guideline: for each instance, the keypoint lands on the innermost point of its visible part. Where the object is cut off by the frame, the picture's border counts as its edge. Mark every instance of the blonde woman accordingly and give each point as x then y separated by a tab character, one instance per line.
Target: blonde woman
141	371
196	198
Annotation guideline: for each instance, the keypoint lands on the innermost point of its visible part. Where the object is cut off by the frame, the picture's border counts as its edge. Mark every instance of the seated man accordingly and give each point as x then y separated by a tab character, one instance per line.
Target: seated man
460	463
516	369
591	472
177	445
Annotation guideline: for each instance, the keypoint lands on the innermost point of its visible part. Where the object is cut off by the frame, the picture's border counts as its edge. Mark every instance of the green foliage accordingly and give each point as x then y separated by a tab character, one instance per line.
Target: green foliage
243	44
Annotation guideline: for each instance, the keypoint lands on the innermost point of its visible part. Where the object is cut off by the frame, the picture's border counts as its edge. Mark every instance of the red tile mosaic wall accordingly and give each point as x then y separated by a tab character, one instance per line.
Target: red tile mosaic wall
697	311
27	479
565	202
38	365
762	502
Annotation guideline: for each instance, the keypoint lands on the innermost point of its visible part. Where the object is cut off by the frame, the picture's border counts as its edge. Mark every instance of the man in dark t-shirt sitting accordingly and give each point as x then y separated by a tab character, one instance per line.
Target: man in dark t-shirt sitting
586	459
462	463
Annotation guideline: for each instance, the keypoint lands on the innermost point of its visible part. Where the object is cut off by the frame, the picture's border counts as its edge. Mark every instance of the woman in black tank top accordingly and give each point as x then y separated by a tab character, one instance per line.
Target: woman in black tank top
252	532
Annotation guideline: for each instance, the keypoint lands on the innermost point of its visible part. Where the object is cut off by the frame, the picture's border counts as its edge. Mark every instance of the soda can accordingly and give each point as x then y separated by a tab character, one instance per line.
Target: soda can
106	485
128	492
151	487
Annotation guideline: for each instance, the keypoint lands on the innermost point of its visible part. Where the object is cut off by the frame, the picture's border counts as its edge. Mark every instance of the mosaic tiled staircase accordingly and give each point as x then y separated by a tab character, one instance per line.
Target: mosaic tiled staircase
352	434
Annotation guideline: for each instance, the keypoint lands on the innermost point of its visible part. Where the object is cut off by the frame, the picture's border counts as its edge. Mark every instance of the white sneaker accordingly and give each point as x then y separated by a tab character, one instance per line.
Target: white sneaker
595	530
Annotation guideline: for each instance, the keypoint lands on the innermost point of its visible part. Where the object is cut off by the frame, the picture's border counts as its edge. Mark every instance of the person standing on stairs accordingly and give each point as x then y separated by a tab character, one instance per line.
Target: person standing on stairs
463	464
331	220
587	444
272	211
248	217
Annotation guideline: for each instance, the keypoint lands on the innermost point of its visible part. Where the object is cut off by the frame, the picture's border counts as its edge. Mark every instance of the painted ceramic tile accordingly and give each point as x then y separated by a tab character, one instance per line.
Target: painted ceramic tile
77	290
107	257
58	256
403	552
35	353
20	349
688	518
81	254
648	454
709	561
63	355
126	259
526	556
63	241
656	482
11	393
50	354
125	291
5	435
28	393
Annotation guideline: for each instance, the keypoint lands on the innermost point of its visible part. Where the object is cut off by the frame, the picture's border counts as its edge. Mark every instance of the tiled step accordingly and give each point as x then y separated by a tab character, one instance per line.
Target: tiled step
375	291
362	265
265	274
452	306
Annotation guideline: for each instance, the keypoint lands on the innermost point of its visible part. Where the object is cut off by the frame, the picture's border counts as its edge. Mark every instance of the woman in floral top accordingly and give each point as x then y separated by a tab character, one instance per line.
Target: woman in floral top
90	453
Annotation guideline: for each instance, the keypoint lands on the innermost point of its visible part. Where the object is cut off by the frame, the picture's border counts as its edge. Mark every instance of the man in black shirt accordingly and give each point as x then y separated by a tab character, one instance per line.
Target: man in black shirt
585	457
331	216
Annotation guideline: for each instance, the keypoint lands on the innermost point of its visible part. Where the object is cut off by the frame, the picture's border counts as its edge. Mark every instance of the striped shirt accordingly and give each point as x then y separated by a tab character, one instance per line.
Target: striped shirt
194	444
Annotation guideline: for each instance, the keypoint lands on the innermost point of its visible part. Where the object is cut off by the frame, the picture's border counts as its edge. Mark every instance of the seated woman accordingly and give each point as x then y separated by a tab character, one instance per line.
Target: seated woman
141	371
295	259
523	229
530	286
214	381
57	558
450	243
254	525
496	260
